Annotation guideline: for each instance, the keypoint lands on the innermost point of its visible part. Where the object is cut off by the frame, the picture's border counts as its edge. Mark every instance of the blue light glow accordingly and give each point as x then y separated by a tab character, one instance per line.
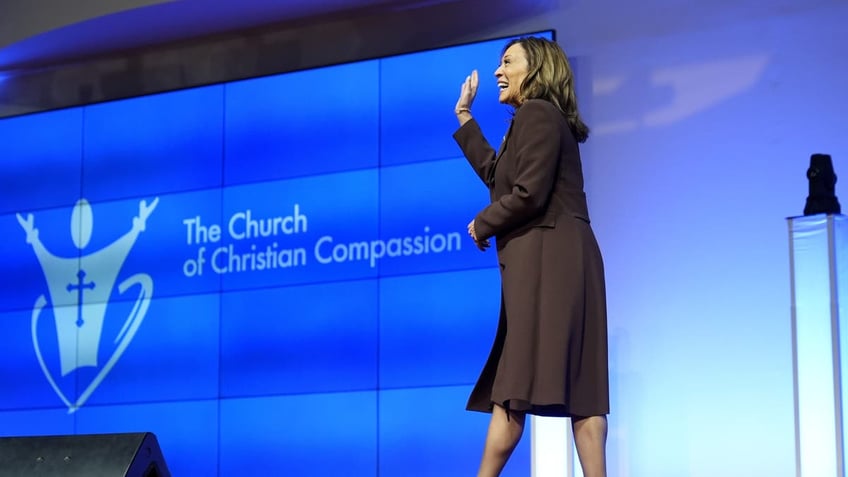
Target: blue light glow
250	260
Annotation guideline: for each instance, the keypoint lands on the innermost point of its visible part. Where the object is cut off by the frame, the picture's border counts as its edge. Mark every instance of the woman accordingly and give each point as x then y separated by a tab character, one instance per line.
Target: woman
550	354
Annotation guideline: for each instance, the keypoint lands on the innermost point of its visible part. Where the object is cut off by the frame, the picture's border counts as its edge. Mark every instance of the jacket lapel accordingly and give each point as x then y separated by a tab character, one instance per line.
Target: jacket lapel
491	178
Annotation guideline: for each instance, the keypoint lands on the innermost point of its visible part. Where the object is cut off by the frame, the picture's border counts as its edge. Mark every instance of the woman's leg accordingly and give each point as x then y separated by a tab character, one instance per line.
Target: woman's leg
590	437
501	440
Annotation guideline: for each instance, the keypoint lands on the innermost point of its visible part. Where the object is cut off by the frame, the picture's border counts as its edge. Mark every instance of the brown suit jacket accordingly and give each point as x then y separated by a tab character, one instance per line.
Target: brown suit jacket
536	176
553	359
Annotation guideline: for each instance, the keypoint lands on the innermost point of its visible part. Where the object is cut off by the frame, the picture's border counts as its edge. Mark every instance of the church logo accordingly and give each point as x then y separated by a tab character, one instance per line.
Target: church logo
78	292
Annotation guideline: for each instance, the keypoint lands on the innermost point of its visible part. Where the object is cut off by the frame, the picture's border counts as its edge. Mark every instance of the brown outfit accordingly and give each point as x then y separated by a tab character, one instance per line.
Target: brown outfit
550	353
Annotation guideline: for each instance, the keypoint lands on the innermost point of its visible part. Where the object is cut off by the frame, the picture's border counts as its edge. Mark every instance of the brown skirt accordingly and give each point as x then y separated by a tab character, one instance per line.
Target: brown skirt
549	357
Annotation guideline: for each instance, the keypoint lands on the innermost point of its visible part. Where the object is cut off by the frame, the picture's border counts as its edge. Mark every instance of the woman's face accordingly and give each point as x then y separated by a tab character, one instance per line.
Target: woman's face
510	74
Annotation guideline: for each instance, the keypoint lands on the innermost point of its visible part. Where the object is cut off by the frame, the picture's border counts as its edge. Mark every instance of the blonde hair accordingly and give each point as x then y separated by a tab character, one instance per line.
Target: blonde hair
549	77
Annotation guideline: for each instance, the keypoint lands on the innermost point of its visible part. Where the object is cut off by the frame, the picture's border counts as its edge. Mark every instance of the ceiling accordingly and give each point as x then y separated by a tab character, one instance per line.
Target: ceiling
42	33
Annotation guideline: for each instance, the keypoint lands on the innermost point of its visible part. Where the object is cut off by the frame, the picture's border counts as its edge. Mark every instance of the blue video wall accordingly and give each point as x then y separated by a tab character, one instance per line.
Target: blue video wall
272	275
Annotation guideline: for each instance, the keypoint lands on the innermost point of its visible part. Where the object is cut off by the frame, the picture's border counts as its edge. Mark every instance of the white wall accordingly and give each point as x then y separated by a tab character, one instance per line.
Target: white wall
705	115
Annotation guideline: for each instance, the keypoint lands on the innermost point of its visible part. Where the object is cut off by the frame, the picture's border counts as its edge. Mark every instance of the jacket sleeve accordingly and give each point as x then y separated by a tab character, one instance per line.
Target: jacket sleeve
535	146
476	148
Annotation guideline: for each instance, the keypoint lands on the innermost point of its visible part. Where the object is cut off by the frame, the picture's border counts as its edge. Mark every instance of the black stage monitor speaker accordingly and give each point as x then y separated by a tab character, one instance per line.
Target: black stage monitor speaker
93	455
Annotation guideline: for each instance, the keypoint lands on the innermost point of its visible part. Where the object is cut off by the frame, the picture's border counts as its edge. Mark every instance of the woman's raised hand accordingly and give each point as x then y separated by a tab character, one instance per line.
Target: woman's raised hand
467	94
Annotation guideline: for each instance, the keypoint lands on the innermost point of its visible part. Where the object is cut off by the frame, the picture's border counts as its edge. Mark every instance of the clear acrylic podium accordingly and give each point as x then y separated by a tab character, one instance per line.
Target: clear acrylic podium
818	262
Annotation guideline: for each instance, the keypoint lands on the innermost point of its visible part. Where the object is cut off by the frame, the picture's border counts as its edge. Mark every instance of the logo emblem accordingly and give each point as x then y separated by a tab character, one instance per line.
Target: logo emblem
79	289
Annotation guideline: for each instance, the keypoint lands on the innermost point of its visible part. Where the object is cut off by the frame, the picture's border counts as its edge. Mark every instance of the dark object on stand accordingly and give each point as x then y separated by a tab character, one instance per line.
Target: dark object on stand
822	198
